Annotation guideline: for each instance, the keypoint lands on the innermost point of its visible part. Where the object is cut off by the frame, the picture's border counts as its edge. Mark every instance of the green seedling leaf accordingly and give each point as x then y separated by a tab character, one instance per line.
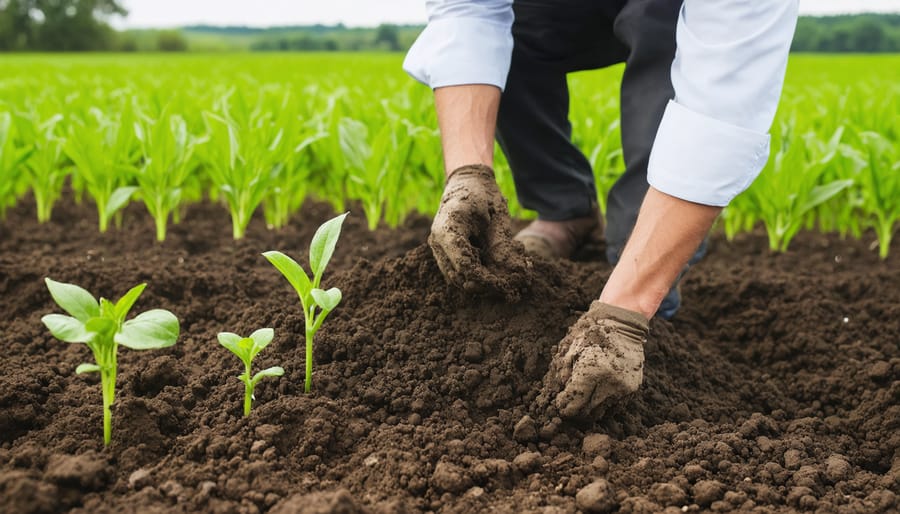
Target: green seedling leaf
119	198
262	337
87	368
127	301
323	243
327	300
150	330
291	271
107	309
103	327
246	348
79	303
274	371
233	343
66	328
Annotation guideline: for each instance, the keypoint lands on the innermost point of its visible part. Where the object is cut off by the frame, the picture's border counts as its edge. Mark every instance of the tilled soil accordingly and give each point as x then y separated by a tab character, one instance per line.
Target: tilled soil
776	389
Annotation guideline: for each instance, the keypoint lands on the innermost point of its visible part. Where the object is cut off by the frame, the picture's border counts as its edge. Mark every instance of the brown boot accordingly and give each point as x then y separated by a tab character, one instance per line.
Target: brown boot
558	239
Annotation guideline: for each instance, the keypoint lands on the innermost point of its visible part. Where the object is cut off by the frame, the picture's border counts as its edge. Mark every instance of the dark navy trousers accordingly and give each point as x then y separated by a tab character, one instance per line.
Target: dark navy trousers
553	38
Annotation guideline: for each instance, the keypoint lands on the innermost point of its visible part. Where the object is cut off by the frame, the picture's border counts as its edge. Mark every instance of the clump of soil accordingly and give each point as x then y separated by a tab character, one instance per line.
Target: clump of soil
777	388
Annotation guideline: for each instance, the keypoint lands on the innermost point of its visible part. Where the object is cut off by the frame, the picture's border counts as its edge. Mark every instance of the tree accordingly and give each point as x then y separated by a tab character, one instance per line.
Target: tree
58	25
388	36
869	36
171	41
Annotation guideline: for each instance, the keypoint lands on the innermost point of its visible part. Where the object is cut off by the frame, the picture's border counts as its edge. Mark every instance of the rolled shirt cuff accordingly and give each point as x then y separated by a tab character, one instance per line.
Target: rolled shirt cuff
457	51
704	160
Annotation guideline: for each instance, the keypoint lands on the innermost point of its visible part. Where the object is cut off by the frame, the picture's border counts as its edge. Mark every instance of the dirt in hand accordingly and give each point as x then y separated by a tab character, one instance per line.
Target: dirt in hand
472	241
777	387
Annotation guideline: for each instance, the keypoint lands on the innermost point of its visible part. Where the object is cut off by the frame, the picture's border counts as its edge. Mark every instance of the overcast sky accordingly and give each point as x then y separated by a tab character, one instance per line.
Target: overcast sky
261	13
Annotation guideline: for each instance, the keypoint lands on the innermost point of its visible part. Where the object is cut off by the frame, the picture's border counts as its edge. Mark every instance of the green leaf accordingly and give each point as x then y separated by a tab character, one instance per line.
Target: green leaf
262	337
327	300
824	192
231	341
119	198
107	309
150	330
66	328
291	271
101	326
74	300
274	371
127	301
87	368
323	242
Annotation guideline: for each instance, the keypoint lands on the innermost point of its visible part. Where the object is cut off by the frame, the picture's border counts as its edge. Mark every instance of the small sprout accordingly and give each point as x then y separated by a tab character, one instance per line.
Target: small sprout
312	298
102	327
246	349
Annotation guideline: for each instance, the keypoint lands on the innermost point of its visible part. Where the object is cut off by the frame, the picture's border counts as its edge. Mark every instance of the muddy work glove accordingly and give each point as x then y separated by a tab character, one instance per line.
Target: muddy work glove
471	236
600	361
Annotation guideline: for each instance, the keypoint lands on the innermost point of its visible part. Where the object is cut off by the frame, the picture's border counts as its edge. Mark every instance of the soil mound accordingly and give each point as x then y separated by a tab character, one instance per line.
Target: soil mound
777	388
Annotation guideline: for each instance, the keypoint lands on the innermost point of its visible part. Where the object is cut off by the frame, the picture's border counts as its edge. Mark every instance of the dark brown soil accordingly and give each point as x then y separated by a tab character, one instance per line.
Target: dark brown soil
777	388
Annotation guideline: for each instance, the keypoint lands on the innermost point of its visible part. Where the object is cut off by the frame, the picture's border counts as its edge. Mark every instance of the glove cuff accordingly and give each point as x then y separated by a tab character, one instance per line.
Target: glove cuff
631	318
476	170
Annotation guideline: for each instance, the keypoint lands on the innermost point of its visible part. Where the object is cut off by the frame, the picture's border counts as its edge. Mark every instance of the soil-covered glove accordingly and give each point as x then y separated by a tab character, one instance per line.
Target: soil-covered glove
600	361
471	237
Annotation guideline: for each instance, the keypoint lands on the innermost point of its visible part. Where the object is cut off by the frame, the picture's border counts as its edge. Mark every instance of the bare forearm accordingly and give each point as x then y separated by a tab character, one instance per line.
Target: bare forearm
467	116
666	235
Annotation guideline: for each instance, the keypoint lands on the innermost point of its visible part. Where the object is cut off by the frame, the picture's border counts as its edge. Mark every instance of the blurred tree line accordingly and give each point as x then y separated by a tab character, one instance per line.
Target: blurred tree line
83	25
76	26
856	33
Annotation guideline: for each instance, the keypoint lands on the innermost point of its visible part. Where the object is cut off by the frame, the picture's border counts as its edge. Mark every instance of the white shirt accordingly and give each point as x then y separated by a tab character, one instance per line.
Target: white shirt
728	72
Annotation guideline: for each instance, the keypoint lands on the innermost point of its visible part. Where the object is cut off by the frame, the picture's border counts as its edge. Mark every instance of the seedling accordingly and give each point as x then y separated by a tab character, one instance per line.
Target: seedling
246	349
102	327
312	297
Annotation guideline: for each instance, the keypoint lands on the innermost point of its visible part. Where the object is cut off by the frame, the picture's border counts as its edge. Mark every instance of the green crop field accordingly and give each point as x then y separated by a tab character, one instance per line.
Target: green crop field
266	131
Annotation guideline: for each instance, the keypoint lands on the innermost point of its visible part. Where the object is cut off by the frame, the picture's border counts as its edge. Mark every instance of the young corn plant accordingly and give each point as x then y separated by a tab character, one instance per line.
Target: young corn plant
246	349
12	159
792	184
104	151
376	169
316	303
880	186
46	169
245	155
287	192
168	150
102	327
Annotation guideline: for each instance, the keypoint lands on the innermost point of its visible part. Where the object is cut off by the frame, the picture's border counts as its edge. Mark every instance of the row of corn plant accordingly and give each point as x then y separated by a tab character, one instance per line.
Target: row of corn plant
263	134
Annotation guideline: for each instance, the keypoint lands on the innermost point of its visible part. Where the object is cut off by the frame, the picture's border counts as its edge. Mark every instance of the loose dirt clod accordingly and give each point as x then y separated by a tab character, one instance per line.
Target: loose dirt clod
707	491
525	430
596	497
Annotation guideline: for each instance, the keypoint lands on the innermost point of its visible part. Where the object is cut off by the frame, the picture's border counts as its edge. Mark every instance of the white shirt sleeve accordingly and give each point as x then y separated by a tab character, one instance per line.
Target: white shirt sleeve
728	73
465	42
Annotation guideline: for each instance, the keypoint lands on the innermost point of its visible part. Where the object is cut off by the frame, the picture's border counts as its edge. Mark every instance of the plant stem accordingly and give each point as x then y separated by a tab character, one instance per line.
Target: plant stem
307	385
248	391
43	207
108	385
236	231
104	223
160	217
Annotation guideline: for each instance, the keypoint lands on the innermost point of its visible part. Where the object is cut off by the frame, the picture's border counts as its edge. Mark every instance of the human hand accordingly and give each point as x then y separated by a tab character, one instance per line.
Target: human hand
600	361
471	237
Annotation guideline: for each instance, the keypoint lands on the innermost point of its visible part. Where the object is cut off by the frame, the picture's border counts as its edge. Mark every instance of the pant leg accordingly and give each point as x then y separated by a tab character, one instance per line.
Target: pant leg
552	38
647	28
